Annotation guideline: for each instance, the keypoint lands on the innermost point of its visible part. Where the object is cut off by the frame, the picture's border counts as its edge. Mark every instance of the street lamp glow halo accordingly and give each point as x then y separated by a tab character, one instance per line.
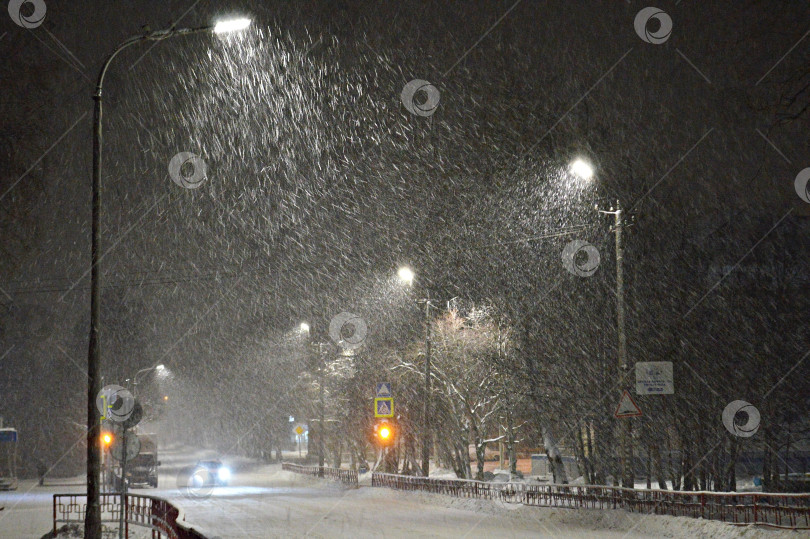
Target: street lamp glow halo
581	169
231	25
304	327
406	274
160	367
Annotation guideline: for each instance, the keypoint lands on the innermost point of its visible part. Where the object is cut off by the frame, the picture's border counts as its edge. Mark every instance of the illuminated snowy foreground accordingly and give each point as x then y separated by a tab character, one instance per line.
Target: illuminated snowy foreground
296	505
264	501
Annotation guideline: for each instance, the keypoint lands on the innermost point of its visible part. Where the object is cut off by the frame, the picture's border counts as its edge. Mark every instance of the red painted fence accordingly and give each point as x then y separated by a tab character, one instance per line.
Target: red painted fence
777	510
150	512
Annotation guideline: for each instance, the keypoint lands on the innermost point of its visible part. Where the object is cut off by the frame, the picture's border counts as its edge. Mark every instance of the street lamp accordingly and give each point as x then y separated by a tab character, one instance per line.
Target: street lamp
320	349
407	276
92	521
157	368
322	407
232	25
582	169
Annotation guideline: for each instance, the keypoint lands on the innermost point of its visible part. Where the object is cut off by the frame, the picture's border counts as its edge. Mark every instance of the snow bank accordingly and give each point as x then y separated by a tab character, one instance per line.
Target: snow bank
559	520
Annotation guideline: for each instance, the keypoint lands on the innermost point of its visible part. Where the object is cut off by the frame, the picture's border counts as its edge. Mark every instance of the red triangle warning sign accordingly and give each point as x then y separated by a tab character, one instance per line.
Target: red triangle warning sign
627	406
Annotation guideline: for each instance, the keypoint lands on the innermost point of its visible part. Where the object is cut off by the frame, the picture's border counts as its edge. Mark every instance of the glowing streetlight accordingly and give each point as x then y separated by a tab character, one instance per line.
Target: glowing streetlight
92	520
406	275
581	169
304	328
159	369
231	25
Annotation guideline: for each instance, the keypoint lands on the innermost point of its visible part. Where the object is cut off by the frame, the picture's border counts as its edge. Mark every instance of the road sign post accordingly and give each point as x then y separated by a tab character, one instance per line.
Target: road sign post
299	430
383	390
627	407
124	448
384	407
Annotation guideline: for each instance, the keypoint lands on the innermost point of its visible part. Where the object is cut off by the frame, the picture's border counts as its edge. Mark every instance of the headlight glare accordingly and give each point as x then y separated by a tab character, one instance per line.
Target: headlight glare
224	474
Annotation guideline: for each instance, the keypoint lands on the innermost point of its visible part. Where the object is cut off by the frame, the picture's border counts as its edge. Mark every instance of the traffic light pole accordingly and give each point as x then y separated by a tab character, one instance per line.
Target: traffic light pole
123	483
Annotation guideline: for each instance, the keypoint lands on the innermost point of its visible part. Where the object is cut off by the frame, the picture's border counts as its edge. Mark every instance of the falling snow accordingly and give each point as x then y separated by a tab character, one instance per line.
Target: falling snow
257	180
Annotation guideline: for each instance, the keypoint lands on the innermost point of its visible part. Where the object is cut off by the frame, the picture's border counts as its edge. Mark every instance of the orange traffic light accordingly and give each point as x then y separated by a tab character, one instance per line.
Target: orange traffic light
106	439
385	433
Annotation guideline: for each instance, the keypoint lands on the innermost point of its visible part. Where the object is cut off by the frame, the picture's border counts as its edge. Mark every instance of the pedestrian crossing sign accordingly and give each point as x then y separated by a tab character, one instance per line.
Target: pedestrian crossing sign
384	407
383	389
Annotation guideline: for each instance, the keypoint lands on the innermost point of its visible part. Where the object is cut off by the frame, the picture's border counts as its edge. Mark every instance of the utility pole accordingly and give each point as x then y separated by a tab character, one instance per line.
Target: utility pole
626	427
625	424
92	518
322	425
427	439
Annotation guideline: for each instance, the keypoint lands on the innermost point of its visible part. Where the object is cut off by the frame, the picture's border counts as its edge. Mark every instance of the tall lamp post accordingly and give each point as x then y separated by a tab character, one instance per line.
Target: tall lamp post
585	172
406	275
426	432
92	521
321	407
319	349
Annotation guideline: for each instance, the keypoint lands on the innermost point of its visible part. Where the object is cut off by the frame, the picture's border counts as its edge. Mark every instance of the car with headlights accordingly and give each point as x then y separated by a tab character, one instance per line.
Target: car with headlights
211	473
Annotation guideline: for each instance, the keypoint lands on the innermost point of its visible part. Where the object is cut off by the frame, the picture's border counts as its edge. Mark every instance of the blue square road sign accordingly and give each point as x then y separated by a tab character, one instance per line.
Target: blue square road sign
383	407
383	390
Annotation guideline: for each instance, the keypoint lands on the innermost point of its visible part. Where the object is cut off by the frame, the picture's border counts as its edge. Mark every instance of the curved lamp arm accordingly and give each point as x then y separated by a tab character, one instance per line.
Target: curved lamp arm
158	35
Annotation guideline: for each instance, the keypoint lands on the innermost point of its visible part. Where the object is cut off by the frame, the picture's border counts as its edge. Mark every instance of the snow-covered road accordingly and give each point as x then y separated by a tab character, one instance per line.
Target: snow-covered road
289	505
263	501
